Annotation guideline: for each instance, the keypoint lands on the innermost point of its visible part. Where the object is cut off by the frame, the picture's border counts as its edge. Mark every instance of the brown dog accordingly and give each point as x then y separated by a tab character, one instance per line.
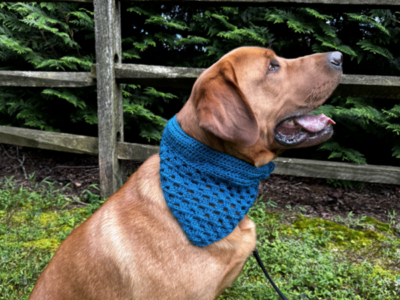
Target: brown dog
251	104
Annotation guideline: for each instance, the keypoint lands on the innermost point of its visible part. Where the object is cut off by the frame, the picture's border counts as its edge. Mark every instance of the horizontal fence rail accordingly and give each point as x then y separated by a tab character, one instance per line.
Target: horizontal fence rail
303	2
71	143
296	3
373	3
337	170
386	87
383	87
49	140
138	152
160	76
46	79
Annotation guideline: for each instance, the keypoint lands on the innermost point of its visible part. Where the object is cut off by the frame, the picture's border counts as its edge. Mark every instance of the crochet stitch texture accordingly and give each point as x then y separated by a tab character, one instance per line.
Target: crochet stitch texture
208	191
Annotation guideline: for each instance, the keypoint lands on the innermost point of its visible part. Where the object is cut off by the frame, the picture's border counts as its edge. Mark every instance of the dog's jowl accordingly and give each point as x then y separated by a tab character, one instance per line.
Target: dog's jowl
178	227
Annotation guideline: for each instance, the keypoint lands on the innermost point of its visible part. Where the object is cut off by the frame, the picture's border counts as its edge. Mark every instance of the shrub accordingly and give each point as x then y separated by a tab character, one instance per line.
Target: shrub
51	36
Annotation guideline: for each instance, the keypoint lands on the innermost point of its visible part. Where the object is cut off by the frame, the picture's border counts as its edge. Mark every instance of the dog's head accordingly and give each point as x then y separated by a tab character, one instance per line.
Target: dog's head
253	104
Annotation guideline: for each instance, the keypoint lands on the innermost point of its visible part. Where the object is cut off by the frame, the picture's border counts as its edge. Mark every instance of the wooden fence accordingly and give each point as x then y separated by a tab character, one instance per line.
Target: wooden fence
109	73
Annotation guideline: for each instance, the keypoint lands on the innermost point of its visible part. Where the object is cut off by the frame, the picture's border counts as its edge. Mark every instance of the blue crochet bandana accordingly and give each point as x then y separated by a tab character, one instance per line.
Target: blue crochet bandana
209	192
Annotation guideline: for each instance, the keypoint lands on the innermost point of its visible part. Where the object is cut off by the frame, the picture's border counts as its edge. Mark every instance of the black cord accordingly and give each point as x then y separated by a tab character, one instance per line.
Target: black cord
260	263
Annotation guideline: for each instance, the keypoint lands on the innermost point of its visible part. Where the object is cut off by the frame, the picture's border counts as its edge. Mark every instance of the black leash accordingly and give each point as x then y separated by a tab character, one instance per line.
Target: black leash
260	263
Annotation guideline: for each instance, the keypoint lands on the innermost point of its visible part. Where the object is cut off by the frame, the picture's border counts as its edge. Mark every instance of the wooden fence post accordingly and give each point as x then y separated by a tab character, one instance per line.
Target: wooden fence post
107	14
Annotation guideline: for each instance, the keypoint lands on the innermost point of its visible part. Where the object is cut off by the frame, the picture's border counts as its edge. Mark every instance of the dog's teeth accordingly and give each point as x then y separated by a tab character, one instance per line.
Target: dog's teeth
289	122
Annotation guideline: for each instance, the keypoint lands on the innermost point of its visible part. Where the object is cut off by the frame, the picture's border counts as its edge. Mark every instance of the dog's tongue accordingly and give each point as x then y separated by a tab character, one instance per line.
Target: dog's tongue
313	123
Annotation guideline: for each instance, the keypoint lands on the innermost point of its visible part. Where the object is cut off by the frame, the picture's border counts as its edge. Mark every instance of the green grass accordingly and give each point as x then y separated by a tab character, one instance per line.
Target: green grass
308	258
34	221
311	258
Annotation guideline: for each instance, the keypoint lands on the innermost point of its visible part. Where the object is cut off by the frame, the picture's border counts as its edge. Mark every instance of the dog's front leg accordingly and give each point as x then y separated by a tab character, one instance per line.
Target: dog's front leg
240	243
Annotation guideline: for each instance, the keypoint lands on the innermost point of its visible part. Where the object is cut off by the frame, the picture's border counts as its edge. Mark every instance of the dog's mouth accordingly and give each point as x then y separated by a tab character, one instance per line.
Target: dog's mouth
303	130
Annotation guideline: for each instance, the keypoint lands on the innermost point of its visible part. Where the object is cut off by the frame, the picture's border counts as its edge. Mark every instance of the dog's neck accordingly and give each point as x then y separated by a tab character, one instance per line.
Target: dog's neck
257	155
189	122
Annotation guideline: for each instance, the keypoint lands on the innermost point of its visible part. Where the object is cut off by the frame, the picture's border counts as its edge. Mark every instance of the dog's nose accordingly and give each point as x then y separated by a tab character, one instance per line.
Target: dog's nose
336	58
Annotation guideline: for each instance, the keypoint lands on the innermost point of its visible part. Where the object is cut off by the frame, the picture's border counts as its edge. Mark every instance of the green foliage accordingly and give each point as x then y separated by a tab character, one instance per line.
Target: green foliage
66	95
396	150
60	36
351	221
369	21
135	103
45	33
40	108
346	184
372	47
46	37
337	151
34	220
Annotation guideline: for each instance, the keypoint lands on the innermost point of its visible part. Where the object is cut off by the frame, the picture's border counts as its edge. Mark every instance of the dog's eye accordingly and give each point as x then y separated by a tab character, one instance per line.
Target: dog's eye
273	67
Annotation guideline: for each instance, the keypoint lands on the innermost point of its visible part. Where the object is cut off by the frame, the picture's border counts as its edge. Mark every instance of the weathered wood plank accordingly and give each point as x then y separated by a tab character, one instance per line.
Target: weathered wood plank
71	143
161	76
337	170
65	142
371	80
305	2
81	1
138	152
49	140
107	16
296	167
46	79
145	71
375	3
385	87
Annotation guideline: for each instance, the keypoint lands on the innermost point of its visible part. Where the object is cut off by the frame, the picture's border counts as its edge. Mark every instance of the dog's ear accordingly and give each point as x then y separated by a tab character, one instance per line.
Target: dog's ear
223	108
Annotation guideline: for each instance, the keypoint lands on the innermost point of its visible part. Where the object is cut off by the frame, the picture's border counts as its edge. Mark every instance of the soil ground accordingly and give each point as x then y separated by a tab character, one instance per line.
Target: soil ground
316	196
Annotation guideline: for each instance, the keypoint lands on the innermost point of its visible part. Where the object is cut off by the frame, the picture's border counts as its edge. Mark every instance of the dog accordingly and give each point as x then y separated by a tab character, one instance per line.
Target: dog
250	105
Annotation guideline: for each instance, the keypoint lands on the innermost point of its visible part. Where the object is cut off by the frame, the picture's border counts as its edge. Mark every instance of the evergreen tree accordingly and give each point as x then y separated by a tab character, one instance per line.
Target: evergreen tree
54	36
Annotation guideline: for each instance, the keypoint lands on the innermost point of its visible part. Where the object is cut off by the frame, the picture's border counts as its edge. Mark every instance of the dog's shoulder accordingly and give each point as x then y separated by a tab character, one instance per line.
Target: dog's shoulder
144	185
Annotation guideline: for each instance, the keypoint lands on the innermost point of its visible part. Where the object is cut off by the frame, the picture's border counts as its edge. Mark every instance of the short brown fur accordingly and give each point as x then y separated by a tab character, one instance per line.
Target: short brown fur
133	247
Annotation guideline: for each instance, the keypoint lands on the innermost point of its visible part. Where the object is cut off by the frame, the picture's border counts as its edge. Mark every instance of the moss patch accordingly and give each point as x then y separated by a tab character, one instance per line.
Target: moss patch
49	218
48	244
383	227
341	235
